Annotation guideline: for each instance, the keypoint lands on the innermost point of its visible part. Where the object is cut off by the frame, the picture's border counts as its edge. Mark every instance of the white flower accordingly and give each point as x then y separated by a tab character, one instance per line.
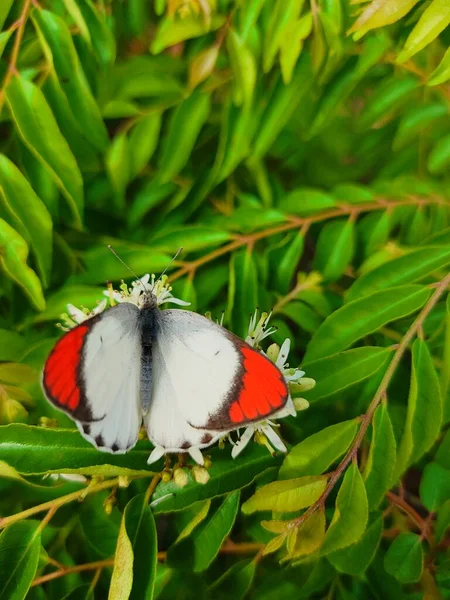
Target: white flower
136	293
258	330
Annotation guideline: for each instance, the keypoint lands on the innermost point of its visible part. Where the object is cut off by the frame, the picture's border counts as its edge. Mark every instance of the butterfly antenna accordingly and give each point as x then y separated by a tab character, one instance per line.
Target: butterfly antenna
178	252
125	265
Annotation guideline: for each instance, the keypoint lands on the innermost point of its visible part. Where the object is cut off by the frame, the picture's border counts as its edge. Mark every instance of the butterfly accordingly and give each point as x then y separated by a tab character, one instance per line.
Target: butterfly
187	378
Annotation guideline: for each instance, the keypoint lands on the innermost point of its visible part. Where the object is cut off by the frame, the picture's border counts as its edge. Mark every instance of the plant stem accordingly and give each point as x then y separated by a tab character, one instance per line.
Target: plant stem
379	395
349	210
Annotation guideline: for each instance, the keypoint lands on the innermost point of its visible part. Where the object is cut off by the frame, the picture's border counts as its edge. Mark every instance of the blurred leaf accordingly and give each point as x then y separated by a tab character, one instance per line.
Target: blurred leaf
118	167
226	475
184	128
199	550
13	259
244	68
244	299
424	416
190	238
288	264
100	529
151	195
286	496
29	214
433	20
173	31
439	157
404	559
355	559
434	486
238	578
60	52
445	371
202	65
317	452
379	13
4	38
335	248
361	317
350	515
292	44
340	371
200	516
5	7
304	201
417	121
143	141
443	520
282	15
122	576
379	468
20	545
38	129
12	345
442	72
310	535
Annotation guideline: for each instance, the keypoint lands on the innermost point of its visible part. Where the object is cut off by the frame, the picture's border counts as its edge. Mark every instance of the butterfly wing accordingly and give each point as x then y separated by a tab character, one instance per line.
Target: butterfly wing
206	382
93	375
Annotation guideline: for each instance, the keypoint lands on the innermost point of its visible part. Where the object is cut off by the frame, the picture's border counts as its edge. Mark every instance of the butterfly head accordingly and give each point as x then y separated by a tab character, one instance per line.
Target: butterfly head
149	301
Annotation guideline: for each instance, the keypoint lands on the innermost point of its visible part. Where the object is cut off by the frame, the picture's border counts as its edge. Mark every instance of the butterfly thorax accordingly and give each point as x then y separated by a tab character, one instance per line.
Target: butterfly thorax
149	301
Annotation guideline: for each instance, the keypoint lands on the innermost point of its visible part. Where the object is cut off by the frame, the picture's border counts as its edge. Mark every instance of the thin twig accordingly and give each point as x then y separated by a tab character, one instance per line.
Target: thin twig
379	395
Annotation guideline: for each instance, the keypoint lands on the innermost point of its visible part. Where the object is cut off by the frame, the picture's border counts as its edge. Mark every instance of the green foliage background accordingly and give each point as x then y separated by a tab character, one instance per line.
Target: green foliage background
300	154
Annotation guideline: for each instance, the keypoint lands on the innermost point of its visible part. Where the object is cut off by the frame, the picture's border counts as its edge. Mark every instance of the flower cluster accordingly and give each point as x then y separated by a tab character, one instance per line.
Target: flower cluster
264	432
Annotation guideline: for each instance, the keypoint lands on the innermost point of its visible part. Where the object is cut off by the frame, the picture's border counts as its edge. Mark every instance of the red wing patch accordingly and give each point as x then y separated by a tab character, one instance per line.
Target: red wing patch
61	379
263	391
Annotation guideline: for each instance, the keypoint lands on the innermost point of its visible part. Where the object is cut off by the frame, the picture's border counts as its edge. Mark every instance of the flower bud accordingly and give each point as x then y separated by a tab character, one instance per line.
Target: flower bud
200	474
180	477
301	404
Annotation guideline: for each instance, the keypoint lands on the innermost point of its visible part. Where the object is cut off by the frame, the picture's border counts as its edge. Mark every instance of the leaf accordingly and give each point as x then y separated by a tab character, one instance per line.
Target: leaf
434	486
292	45
4	38
404	559
379	468
317	452
118	167
306	201
380	13
439	157
17	373
283	14
190	238
122	575
65	451
238	578
445	371
143	141
29	214
411	267
13	259
100	529
340	371
173	31
5	7
136	554
196	520
60	51
361	317
350	515
202	65
310	535
441	74
244	287
434	19
199	550
287	266
335	248
424	416
443	520
225	473
286	496
12	345
20	545
355	559
244	68
78	295
184	128
40	132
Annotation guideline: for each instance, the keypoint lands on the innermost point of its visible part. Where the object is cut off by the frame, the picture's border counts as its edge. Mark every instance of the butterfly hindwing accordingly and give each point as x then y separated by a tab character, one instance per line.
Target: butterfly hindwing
93	374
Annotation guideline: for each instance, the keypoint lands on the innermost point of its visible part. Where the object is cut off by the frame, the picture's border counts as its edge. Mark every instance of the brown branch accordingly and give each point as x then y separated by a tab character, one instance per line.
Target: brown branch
20	24
409	510
303	223
379	395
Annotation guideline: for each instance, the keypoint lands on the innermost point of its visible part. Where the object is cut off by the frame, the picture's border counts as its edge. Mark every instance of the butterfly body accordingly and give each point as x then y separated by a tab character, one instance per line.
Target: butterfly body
189	380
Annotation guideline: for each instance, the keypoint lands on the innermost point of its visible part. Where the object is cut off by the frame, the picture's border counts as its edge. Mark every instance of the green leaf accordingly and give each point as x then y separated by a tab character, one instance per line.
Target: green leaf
200	516
350	515
355	559
424	416
283	14
173	31
310	535
404	559
12	345
361	317
244	289
445	371
184	128
286	496
78	295
5	7
335	248
225	473
60	51
199	550
379	468
380	13
238	578
100	529
292	44
20	545
40	132
415	122
13	259
136	554
442	520
411	267
441	74
190	238
340	371
118	167
65	451
202	65
147	198
143	141
433	20
287	266
317	452
434	486
243	66
306	201
4	38
439	157
29	214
